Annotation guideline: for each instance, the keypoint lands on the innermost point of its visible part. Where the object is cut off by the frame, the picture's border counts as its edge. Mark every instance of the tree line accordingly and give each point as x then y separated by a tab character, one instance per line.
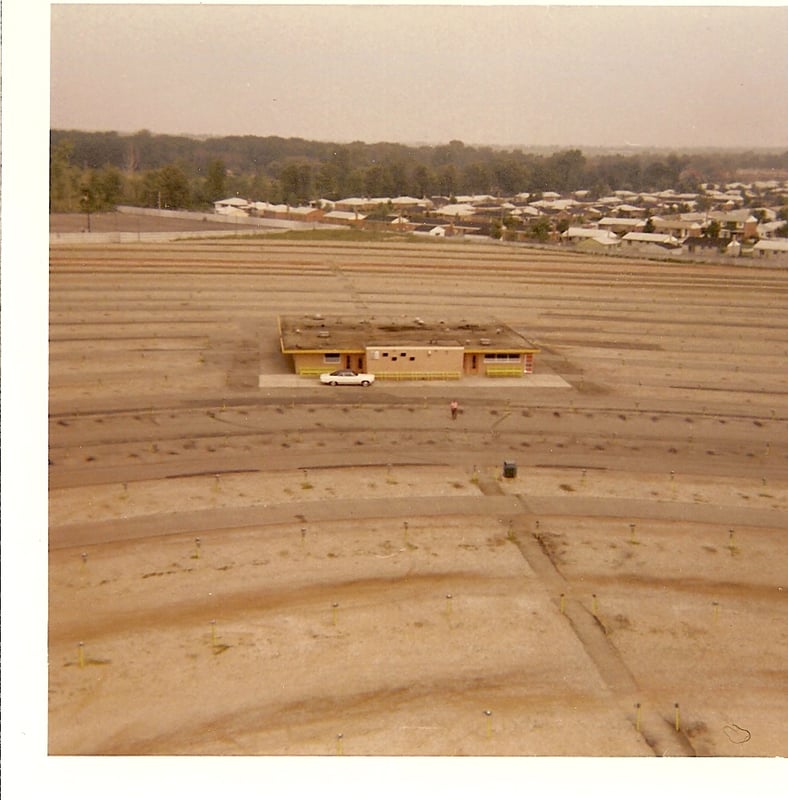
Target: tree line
100	170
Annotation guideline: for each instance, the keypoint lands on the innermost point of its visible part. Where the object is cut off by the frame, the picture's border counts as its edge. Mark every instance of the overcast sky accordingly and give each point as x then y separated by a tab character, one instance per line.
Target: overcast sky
506	75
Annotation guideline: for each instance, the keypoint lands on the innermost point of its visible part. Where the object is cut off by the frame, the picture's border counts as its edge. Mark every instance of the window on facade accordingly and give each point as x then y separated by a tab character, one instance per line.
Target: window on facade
501	358
393	358
403	354
331	358
413	358
385	355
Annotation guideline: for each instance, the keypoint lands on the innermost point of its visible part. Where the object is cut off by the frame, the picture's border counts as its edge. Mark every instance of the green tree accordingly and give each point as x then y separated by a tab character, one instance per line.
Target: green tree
476	178
167	187
566	170
354	184
297	182
327	181
540	229
423	181
712	230
447	180
507	176
377	181
215	180
64	179
106	186
174	186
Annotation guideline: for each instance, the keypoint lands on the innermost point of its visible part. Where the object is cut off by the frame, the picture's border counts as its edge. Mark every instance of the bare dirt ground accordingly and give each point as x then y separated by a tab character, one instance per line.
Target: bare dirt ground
253	567
117	222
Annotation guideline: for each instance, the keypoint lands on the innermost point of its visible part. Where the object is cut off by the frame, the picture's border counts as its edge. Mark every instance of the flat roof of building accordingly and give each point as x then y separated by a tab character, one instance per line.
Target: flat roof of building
334	333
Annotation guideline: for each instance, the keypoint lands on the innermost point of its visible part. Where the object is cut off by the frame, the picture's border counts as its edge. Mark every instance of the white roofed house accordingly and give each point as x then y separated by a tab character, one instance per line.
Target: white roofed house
766	230
680	228
400	223
438	231
359	203
774	250
344	217
627	210
621	225
591	239
304	213
457	210
654	243
405	201
232	206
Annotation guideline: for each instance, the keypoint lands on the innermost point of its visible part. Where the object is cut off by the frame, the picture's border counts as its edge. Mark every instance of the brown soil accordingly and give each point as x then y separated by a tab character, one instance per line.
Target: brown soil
297	569
116	222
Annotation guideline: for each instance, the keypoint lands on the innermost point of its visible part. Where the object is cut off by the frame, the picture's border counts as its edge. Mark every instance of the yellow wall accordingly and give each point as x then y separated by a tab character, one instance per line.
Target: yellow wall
314	363
412	361
399	361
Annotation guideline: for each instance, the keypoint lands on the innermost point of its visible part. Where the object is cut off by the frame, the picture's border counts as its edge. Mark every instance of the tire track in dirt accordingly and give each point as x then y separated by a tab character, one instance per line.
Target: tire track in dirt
341	710
249	602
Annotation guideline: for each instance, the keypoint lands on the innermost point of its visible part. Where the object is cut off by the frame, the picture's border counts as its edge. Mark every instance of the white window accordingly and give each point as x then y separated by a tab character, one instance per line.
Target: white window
331	358
501	358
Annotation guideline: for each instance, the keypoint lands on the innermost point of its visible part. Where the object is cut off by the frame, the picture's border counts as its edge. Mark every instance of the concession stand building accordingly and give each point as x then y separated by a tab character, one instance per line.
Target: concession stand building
405	348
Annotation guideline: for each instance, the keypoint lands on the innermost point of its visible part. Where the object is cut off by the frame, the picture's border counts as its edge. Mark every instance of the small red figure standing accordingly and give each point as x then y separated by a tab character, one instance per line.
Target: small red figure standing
455	406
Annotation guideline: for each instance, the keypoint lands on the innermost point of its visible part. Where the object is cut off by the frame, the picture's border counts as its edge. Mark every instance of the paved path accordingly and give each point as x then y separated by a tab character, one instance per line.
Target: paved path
659	733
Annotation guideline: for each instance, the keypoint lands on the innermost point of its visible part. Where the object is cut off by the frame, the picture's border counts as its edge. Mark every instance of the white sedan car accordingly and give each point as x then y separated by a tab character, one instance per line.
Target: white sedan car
346	377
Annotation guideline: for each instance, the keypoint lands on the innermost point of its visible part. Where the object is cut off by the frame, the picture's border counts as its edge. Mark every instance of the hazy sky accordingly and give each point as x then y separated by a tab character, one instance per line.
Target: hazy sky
507	74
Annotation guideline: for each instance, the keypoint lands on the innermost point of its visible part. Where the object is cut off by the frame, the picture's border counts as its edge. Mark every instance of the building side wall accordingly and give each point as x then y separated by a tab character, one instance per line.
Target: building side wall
414	361
314	363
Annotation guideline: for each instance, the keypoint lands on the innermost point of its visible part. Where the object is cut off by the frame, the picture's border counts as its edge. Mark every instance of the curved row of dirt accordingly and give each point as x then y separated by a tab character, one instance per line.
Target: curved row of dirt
246	570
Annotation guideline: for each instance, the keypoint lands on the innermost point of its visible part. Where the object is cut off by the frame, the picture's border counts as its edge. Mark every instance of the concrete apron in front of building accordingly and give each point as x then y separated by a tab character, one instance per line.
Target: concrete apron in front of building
290	381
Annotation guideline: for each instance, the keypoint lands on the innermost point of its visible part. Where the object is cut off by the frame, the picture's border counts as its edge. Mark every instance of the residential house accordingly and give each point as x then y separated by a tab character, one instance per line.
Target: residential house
400	223
438	231
405	202
344	217
708	245
655	243
738	224
358	203
775	250
457	210
680	228
621	225
232	206
591	239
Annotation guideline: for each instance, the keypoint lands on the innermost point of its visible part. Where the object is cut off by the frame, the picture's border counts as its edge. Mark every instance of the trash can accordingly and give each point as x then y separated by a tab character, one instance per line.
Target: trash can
509	469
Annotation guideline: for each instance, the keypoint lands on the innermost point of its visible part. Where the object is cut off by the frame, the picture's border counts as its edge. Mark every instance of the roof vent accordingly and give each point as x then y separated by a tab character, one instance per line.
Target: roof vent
484	341
323	334
318	316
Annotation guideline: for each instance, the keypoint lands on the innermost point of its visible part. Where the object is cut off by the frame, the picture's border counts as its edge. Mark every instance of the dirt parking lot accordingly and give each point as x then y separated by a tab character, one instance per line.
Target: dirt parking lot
275	567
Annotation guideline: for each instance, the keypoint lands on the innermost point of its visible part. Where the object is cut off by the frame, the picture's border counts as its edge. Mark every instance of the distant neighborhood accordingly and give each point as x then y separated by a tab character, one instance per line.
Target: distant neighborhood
732	220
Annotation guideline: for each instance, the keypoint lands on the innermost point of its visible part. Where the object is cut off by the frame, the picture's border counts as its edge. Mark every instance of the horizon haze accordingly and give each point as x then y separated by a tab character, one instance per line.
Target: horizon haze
507	76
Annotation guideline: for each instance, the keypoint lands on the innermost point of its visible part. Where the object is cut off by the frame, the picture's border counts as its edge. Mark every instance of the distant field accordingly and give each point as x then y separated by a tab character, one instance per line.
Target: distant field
115	222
